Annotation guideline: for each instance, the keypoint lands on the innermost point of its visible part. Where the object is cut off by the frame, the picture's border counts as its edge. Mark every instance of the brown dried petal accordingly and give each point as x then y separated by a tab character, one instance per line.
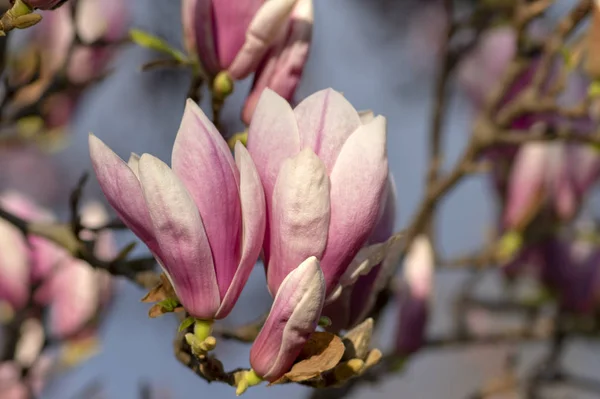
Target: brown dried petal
161	291
358	340
322	352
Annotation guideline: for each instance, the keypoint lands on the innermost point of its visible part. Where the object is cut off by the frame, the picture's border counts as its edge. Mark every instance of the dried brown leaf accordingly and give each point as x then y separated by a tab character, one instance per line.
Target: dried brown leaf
161	291
322	352
358	340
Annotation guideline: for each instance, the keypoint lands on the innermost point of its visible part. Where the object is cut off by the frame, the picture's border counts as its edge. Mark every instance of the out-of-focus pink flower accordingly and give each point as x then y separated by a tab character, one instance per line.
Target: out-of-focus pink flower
232	37
324	175
282	69
414	300
572	270
11	386
554	173
356	301
97	20
40	372
44	4
74	291
207	248
482	69
14	266
293	318
31	342
74	297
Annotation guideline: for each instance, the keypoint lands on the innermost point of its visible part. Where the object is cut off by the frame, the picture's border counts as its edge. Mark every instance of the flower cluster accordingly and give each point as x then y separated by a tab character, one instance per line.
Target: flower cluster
232	40
311	190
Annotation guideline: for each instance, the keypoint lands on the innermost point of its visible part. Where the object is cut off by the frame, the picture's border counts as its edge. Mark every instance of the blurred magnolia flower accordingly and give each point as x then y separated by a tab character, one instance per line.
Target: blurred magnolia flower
231	41
481	70
414	300
282	69
75	292
232	37
206	246
11	386
355	301
71	288
572	270
324	175
293	318
555	173
31	342
97	20
44	4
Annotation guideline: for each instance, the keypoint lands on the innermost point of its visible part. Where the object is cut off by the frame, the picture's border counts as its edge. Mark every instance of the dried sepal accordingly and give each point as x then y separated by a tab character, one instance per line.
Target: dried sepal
358	340
322	352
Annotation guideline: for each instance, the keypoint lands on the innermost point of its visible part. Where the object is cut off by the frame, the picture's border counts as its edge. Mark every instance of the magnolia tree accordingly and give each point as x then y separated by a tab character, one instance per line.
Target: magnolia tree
304	189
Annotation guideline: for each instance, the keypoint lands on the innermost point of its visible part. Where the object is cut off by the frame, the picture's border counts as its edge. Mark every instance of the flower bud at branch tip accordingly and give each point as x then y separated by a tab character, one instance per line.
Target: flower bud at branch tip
222	85
249	379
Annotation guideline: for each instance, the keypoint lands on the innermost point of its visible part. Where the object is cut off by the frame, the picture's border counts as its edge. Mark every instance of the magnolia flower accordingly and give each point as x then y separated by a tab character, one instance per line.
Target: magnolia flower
282	68
232	36
556	173
11	386
324	175
293	318
414	300
356	301
44	4
204	219
96	20
572	270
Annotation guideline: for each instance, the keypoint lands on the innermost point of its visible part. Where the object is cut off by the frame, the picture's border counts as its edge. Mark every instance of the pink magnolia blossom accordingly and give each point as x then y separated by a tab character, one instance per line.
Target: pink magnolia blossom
572	270
356	301
44	4
414	301
282	69
97	20
203	219
324	175
11	386
293	318
555	173
75	292
232	36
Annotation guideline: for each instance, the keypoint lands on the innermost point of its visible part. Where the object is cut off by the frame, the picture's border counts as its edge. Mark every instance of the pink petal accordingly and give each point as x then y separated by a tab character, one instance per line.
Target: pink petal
203	162
123	191
253	225
283	69
300	215
325	121
74	298
231	21
272	137
292	319
525	182
262	32
14	266
197	19
184	247
358	183
387	214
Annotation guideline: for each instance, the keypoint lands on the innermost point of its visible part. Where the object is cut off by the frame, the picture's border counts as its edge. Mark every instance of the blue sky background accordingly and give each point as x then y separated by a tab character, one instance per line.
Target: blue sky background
360	48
